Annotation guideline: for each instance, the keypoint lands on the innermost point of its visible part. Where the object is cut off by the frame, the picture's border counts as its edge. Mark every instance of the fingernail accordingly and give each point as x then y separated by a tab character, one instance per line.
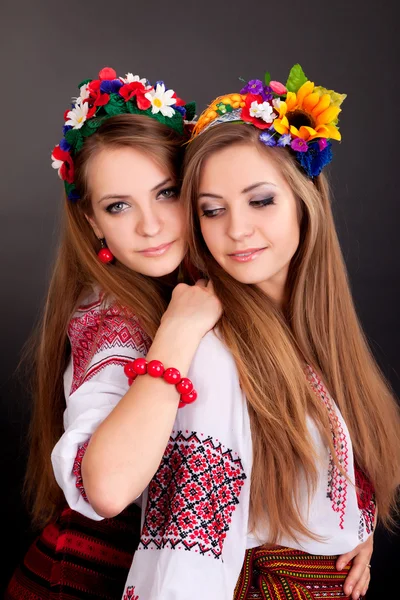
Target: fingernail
350	590
340	566
357	595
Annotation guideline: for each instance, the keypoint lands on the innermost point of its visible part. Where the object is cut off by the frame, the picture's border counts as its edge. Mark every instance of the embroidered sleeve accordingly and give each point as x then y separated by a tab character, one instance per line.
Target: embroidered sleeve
366	503
77	469
101	344
192	496
100	338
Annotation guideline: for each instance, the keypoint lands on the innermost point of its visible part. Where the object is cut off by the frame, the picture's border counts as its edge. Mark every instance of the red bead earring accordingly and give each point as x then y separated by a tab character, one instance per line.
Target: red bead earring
105	255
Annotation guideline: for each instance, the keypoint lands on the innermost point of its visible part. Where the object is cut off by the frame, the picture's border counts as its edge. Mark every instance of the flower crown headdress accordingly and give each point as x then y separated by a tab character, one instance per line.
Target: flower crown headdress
106	97
298	115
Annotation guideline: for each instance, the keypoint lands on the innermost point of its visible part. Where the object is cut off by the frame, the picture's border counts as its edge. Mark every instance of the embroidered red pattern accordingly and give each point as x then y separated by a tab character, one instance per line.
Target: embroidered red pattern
130	594
366	503
192	496
96	329
77	469
337	482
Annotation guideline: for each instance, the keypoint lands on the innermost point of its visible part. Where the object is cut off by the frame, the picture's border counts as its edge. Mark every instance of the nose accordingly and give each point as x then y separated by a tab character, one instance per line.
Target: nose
149	223
239	227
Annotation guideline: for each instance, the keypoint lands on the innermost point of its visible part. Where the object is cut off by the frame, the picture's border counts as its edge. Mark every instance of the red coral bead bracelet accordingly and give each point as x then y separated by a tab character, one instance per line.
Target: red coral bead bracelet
155	368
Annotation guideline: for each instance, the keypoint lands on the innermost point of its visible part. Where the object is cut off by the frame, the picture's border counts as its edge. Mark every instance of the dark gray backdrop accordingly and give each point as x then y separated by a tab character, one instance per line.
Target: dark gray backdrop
47	48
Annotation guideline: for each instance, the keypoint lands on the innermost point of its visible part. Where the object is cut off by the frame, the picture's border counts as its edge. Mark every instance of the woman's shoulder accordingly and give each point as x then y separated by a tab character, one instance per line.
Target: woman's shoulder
214	358
100	322
92	299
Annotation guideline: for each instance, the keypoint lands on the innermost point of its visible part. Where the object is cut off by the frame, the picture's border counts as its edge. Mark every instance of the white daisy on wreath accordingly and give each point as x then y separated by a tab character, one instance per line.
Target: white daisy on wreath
77	116
130	78
161	100
57	164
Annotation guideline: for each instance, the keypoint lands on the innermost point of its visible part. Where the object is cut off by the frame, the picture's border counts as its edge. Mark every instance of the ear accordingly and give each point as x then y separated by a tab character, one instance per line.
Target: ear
93	224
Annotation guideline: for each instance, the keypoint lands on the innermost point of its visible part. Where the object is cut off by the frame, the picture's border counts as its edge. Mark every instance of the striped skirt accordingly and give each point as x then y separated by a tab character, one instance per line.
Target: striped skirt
280	573
78	558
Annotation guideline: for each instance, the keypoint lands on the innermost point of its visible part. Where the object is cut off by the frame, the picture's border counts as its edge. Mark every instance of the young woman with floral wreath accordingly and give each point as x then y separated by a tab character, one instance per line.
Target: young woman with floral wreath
294	440
119	258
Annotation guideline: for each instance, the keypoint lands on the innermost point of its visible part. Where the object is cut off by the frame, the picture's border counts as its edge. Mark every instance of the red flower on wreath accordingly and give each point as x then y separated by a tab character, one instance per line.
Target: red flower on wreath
96	97
246	116
62	161
107	73
135	88
179	101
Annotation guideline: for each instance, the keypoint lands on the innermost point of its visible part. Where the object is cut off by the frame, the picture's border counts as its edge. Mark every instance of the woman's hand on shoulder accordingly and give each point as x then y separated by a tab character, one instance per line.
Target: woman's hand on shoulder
195	307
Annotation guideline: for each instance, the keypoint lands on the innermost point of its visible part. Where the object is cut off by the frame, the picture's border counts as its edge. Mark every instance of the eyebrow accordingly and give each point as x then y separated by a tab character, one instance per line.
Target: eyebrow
250	188
126	197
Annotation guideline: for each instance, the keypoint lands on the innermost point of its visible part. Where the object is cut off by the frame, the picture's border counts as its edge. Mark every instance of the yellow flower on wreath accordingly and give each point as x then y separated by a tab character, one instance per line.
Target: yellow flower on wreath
310	113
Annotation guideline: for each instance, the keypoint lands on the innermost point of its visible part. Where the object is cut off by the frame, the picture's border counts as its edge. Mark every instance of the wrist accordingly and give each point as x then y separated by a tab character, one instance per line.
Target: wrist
183	330
174	347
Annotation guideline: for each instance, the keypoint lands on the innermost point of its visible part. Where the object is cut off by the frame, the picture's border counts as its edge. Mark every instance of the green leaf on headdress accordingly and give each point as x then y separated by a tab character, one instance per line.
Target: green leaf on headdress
336	99
296	79
267	78
74	139
69	187
93	124
133	109
175	122
86	130
115	106
84	82
71	191
190	108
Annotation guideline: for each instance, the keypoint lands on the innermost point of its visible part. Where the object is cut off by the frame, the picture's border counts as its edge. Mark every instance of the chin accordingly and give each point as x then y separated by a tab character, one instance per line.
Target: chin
247	278
151	267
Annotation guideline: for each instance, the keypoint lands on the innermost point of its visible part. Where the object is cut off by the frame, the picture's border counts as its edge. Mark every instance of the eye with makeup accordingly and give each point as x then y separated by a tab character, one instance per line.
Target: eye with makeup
214	212
262	202
116	207
170	193
211	212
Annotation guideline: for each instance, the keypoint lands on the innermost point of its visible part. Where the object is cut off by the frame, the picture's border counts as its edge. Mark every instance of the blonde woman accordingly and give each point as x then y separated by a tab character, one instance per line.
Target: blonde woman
270	482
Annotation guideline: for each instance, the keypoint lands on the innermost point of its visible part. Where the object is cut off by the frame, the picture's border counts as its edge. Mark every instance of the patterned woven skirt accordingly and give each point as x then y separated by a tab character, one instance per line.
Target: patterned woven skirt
280	573
78	558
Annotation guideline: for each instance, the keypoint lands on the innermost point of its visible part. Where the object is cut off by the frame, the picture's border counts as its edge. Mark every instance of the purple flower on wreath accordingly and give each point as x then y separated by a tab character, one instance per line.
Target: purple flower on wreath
160	82
322	143
284	140
64	145
111	86
254	86
66	128
267	94
267	138
314	160
299	145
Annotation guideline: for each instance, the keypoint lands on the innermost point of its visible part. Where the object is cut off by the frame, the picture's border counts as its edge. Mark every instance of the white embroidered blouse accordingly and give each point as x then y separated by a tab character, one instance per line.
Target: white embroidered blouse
196	509
102	342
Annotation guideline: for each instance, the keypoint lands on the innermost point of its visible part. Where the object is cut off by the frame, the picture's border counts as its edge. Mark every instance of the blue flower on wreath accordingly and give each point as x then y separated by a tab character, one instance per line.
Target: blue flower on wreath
64	145
318	155
284	140
180	109
268	138
111	86
73	194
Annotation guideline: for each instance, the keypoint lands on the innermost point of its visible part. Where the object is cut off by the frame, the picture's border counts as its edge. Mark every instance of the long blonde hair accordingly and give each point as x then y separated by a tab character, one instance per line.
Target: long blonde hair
318	327
76	270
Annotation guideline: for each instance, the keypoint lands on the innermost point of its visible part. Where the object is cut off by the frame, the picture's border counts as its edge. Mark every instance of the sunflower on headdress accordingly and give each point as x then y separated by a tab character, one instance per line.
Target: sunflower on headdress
310	113
299	115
